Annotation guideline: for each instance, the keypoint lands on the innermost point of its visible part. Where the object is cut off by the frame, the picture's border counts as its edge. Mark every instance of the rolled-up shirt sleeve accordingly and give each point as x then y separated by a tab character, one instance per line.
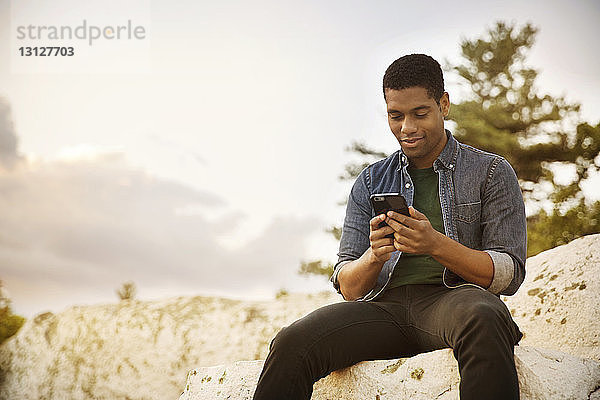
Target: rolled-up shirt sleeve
504	229
504	271
355	231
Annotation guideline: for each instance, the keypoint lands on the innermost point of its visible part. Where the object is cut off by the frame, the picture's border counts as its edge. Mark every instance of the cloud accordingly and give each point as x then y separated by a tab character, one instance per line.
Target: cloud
73	231
8	138
74	228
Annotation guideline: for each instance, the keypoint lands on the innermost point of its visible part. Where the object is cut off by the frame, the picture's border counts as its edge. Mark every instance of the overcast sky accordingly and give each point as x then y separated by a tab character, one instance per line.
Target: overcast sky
204	158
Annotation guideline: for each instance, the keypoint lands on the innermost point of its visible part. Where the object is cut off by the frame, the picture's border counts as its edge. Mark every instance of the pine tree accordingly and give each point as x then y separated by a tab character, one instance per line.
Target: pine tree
535	133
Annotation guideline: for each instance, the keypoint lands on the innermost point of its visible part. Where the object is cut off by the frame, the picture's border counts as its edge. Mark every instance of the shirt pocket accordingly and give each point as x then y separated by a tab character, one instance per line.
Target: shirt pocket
468	212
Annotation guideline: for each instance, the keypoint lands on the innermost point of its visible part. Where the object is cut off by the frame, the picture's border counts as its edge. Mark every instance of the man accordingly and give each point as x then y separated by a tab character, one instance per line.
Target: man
436	282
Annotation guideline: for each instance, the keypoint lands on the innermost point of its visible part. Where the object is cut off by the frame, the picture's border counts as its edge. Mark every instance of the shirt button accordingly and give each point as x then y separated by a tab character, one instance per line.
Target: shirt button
407	185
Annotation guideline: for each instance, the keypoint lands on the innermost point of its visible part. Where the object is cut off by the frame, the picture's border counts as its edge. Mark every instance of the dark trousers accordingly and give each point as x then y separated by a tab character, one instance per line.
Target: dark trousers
406	321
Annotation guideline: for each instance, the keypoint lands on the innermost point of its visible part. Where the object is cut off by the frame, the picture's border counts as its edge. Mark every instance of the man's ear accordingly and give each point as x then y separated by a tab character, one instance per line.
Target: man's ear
445	104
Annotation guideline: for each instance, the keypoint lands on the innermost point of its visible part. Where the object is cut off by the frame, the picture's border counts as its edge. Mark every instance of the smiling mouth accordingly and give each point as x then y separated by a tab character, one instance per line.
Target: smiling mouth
411	140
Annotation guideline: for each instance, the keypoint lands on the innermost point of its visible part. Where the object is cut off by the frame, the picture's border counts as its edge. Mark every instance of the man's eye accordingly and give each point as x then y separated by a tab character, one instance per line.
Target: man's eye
395	117
421	115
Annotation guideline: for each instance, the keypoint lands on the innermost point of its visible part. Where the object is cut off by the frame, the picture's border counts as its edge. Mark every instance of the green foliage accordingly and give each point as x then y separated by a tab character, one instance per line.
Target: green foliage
508	116
336	231
126	291
546	231
367	155
9	323
581	154
315	268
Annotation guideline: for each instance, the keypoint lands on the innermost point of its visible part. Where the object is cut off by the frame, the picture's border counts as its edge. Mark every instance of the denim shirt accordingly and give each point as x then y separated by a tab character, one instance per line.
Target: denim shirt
482	208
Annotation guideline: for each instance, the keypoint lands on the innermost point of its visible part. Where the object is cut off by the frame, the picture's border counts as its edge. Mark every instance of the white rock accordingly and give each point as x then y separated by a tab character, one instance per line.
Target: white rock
139	350
144	349
558	305
543	374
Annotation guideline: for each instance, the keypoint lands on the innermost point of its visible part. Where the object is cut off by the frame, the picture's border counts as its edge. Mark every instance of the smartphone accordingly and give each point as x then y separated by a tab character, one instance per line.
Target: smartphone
384	202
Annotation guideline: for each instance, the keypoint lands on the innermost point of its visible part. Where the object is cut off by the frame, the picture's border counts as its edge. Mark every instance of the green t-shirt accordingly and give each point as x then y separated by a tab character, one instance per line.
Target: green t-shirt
422	269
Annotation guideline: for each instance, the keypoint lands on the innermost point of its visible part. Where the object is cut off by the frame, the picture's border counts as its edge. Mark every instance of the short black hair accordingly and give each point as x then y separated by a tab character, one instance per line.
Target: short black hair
415	70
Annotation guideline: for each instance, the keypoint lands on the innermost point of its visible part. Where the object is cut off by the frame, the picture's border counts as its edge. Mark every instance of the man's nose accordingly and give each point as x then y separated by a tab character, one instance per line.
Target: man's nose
409	126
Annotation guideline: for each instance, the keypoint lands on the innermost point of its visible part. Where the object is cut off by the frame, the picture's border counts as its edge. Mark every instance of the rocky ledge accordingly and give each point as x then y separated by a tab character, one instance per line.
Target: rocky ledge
543	374
557	309
139	350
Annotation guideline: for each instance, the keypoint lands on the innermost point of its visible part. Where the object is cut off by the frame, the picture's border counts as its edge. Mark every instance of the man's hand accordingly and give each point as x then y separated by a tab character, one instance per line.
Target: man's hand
359	276
414	234
382	247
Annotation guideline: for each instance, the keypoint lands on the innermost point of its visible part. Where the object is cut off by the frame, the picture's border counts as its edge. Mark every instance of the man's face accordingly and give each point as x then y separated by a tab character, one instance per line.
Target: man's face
417	121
